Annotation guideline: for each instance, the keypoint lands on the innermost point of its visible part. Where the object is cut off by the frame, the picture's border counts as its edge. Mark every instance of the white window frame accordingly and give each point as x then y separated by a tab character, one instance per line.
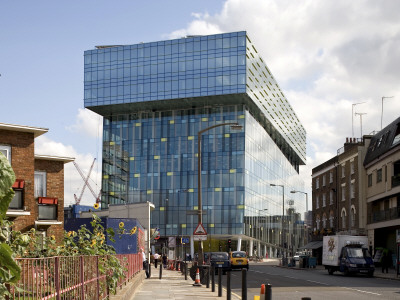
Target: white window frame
323	200
343	216
330	177
353	216
330	197
352	189
317	183
324	221
343	190
352	167
331	221
44	180
343	167
317	201
7	149
323	180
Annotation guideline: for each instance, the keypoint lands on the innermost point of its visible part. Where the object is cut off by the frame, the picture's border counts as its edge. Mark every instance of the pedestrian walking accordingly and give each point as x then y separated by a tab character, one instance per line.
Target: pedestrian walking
385	262
156	257
164	261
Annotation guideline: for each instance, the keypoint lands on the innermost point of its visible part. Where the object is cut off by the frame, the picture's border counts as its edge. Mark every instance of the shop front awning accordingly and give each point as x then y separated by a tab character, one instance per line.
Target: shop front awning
312	245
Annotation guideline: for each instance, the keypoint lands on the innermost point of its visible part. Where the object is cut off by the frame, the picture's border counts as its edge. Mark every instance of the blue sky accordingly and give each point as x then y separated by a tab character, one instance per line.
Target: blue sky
325	55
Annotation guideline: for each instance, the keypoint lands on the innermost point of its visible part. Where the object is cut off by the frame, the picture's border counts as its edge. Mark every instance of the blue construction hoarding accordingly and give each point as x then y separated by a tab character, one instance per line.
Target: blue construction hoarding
125	243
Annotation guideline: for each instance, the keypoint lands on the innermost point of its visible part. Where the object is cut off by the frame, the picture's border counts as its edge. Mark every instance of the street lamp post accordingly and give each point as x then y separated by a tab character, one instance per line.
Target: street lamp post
383	98
352	115
306	216
234	125
283	217
306	197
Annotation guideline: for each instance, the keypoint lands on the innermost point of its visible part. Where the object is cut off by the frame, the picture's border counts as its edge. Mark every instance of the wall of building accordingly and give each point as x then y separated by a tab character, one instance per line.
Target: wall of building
55	189
22	162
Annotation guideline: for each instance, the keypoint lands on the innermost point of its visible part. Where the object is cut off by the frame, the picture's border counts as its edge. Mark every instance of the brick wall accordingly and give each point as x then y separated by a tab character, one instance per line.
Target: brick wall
55	189
22	162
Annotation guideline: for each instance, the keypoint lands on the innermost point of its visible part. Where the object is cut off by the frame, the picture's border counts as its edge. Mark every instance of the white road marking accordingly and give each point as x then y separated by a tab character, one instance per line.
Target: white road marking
317	282
361	291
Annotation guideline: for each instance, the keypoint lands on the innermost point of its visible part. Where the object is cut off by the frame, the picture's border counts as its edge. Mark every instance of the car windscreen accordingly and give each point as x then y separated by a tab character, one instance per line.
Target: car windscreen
219	256
238	254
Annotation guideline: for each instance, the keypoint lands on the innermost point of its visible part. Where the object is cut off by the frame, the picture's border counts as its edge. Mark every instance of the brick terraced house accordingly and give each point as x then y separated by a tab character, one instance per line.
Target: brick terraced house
39	187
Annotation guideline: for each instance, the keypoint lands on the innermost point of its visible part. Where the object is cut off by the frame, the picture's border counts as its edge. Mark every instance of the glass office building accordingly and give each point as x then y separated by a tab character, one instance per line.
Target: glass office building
156	97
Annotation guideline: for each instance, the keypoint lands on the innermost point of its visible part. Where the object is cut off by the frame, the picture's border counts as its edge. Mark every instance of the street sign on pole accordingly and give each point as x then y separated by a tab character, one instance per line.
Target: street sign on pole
200	230
200	237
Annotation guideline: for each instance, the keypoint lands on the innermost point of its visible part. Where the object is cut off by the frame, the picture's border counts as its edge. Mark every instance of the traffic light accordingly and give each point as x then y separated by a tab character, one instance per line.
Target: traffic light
229	242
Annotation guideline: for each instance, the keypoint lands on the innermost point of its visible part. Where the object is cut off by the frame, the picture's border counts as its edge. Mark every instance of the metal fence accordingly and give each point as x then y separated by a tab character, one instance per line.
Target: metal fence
69	277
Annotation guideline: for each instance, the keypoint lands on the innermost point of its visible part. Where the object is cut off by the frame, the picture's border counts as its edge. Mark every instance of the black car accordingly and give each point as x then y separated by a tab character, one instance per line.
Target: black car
218	260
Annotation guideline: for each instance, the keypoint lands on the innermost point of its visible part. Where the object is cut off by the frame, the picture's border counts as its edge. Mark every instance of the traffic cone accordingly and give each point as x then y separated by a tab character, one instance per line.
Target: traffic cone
262	292
179	266
197	280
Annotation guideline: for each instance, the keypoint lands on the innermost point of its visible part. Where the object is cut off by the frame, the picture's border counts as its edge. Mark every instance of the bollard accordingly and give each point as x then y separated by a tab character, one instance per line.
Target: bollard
185	266
212	279
228	285
207	277
268	292
149	266
219	282
306	298
244	284
160	276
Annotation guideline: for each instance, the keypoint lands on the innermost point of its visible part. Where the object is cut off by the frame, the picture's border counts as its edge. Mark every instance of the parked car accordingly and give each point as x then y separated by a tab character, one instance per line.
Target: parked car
218	260
239	260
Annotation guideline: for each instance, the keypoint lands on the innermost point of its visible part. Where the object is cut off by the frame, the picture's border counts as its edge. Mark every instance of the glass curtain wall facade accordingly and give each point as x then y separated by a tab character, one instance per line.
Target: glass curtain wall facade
156	97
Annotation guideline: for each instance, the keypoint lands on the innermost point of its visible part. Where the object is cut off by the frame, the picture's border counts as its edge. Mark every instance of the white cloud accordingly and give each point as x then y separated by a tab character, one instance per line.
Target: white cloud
73	182
325	55
87	122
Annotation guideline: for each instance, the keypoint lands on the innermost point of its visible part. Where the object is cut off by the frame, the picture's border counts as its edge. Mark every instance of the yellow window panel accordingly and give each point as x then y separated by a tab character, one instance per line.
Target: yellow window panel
163	139
105	176
111	193
241	206
138	124
227	135
211	225
156	156
241	117
112	143
217	189
195	207
149	191
170	173
162	208
204	119
171	122
190	137
183	225
132	158
191	190
232	171
137	175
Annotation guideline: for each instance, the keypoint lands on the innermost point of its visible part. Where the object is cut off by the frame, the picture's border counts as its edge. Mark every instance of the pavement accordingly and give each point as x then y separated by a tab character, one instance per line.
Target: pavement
174	286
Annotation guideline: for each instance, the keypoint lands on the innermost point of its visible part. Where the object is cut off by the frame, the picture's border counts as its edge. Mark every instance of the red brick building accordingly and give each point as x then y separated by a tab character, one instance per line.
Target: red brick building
39	187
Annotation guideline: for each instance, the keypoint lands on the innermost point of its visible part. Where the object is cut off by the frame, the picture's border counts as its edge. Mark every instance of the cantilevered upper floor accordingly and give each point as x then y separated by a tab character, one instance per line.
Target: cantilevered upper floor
195	71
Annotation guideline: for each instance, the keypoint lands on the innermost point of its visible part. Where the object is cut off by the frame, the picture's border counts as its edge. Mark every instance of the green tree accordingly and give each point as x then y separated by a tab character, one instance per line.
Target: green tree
10	272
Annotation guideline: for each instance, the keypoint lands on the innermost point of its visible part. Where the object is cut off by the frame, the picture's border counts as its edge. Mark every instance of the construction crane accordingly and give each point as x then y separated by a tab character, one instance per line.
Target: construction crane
86	183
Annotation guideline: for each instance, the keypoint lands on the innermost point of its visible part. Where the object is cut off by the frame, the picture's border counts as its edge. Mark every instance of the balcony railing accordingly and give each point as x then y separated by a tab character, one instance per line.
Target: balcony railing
395	180
384	215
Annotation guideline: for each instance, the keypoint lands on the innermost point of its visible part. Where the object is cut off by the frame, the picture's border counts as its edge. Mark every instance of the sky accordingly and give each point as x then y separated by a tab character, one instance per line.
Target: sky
325	55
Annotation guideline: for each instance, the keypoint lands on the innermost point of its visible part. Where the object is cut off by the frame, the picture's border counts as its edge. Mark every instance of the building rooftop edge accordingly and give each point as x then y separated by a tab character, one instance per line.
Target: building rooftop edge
56	158
37	131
